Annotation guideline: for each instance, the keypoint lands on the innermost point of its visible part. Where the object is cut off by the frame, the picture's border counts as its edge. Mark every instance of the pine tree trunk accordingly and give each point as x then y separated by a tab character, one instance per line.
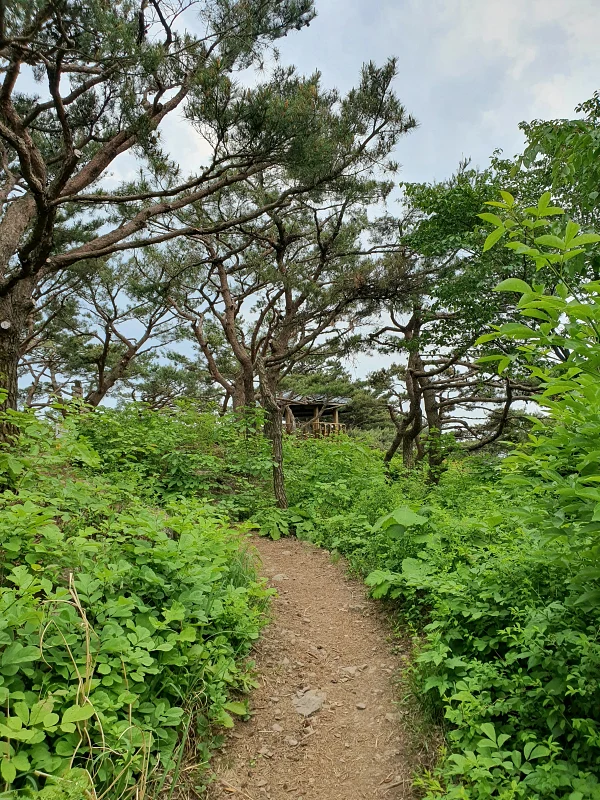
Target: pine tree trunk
9	360
391	452
408	450
243	388
276	426
435	456
14	310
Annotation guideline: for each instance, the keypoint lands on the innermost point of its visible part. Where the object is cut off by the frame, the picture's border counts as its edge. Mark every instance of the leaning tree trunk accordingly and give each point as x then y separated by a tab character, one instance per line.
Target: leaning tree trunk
408	447
393	448
401	426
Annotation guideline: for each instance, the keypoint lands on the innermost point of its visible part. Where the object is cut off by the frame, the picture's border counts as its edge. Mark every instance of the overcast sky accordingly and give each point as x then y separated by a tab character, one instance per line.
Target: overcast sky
469	70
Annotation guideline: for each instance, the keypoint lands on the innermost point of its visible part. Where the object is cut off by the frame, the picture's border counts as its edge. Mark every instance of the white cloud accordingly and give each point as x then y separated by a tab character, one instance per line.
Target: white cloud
470	71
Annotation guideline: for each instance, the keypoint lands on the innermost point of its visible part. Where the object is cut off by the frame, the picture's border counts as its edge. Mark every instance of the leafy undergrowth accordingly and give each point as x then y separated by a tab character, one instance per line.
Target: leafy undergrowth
502	593
126	612
128	607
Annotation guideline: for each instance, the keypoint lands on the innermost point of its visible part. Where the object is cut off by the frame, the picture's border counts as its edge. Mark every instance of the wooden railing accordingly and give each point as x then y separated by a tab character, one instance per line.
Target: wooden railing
327	428
316	428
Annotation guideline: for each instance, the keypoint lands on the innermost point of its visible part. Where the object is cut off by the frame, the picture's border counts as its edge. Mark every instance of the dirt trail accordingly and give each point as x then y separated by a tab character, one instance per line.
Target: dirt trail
326	639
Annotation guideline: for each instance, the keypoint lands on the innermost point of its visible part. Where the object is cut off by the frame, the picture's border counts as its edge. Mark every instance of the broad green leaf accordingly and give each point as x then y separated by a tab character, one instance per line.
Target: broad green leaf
39	711
21	709
407	517
535	750
8	770
508	198
517	330
549	240
571	232
585	238
21	735
513	285
503	364
226	720
494	219
127	698
236	707
188	634
78	713
16	653
539	752
552	211
544	201
379	576
395	531
488	730
520	248
50	720
534	313
415	570
529	746
572	254
491	240
487	744
21	762
591	598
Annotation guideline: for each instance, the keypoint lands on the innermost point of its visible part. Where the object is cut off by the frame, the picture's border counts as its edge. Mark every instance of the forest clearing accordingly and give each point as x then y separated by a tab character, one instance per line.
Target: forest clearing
299	448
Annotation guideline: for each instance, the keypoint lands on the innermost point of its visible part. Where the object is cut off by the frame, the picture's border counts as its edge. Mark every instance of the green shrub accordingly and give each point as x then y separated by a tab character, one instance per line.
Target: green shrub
122	624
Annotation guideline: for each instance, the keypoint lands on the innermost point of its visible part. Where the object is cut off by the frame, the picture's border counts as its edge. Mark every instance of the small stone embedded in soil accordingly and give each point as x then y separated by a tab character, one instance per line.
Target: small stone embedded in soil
292	742
276	728
280	577
309	703
361	706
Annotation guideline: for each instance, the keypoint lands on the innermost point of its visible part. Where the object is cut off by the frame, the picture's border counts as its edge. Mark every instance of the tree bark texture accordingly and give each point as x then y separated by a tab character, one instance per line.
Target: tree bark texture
275	432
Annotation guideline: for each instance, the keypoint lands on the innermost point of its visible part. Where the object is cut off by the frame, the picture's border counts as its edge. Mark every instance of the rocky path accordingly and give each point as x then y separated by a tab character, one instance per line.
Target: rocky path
324	720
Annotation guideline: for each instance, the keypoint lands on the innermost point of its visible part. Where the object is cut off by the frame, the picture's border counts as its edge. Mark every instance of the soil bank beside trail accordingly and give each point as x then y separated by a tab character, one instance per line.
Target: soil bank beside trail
328	647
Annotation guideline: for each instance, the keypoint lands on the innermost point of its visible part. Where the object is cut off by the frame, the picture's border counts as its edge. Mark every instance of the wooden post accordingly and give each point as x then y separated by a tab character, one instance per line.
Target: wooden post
336	417
315	421
290	420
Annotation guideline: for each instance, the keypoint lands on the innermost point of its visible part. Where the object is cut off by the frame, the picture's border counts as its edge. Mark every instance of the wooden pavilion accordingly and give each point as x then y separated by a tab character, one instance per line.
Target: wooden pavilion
315	415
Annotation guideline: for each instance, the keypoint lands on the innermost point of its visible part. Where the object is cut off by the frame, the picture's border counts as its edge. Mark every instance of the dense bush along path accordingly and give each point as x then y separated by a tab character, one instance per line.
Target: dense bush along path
325	720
